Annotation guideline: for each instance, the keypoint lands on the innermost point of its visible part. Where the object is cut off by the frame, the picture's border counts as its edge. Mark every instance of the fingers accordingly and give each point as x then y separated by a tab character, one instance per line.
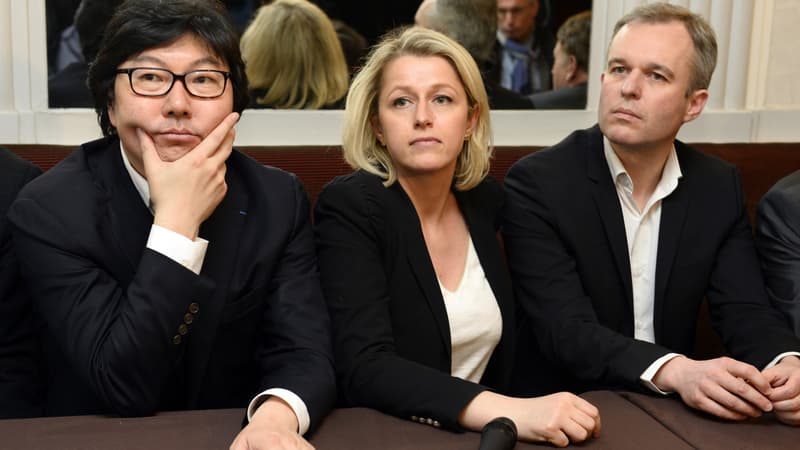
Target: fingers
719	402
149	154
218	136
753	376
743	397
789	418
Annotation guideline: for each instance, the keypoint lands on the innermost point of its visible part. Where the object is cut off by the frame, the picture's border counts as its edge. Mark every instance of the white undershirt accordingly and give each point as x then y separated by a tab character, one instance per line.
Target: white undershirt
475	321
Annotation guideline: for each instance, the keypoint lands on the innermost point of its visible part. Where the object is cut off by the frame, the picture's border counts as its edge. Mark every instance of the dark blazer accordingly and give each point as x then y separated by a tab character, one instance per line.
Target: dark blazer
20	386
565	240
391	333
568	97
778	243
68	89
130	331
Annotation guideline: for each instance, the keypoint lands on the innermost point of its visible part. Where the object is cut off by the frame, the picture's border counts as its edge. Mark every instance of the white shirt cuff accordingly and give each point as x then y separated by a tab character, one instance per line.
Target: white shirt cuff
177	247
778	358
295	402
647	376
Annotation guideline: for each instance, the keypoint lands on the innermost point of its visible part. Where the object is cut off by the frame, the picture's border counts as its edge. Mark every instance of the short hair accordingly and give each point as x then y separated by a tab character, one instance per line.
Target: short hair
87	16
292	52
574	35
701	33
139	25
471	23
362	150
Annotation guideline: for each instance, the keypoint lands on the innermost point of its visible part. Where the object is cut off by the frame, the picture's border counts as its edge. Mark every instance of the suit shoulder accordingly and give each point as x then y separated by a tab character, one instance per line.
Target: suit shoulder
71	174
703	163
358	183
560	158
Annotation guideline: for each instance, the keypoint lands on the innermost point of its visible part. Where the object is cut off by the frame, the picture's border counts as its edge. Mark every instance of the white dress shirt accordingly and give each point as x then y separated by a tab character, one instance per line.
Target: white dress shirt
191	254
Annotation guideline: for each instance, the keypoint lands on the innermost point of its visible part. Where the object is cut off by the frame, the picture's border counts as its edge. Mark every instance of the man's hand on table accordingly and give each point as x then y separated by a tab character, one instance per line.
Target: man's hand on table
274	427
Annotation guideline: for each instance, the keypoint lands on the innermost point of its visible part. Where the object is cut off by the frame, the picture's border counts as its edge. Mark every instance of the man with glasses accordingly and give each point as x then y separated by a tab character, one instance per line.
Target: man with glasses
171	271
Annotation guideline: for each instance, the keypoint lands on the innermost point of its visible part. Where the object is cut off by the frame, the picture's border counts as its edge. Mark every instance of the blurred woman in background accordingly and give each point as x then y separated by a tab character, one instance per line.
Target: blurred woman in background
293	58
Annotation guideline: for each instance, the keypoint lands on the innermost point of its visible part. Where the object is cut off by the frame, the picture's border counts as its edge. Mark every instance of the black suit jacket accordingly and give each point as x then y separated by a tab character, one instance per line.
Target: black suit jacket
391	333
565	239
130	331
20	386
778	243
568	97
68	89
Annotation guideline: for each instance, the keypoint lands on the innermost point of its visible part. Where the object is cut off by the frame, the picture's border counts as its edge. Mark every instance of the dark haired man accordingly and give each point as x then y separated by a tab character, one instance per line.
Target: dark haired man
570	69
616	234
171	271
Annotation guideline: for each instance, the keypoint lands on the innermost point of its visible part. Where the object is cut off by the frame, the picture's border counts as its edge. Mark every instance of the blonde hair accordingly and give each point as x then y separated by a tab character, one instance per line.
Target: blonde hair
362	150
291	51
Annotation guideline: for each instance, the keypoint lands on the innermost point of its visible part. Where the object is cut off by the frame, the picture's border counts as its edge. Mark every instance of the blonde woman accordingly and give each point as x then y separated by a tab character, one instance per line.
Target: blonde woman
419	296
293	57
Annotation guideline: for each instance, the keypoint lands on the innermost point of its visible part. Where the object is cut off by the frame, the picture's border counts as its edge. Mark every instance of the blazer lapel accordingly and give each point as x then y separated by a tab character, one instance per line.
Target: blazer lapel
609	210
128	217
222	231
673	216
419	261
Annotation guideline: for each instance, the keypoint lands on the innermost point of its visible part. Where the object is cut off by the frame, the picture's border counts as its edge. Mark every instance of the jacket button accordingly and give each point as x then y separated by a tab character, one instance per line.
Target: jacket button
194	308
414	418
176	339
436	424
183	329
188	318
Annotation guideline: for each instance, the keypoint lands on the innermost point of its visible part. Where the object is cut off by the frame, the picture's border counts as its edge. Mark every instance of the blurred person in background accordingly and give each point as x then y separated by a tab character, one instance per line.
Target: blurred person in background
570	66
293	58
473	24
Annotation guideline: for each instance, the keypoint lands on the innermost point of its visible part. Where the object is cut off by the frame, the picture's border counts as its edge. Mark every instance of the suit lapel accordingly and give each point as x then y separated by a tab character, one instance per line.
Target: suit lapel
673	216
222	231
128	218
419	261
609	210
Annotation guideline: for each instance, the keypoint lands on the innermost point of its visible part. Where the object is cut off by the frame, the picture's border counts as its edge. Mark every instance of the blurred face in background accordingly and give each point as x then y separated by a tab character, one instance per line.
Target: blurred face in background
516	19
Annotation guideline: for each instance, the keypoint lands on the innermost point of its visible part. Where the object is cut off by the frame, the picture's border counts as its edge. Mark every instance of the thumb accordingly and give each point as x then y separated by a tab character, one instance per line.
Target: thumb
150	157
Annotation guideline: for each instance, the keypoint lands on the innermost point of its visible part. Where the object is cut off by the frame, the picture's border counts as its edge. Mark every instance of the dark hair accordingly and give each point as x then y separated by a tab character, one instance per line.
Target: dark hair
574	35
138	25
87	16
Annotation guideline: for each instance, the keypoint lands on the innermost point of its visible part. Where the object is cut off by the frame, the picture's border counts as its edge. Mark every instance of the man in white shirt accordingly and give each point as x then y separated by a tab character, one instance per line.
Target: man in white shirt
616	235
171	271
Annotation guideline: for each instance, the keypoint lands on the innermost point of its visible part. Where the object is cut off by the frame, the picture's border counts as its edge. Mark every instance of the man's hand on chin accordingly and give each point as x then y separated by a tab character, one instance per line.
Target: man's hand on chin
274	427
186	191
784	378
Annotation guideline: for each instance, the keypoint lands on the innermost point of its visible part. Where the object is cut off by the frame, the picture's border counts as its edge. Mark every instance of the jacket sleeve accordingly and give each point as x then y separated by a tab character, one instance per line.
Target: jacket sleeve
370	371
778	243
122	340
20	375
295	349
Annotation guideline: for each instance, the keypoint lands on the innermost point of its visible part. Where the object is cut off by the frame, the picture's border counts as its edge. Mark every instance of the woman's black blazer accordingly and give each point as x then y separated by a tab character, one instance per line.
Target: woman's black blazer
391	333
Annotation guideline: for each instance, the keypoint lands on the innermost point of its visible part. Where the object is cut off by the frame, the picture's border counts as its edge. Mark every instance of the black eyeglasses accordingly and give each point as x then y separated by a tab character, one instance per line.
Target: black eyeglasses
154	82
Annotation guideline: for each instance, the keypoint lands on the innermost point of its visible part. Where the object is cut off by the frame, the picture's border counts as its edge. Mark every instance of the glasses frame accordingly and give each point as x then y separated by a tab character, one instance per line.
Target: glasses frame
175	76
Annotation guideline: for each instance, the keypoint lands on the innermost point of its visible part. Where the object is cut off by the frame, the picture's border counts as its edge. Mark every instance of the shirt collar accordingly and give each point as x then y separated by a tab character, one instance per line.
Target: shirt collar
669	175
139	182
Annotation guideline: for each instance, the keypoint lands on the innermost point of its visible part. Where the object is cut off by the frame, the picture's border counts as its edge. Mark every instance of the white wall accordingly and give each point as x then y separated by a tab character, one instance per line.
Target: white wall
755	93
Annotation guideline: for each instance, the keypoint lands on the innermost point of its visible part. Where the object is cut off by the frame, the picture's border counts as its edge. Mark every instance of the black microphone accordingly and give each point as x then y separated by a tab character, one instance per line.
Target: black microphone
499	434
